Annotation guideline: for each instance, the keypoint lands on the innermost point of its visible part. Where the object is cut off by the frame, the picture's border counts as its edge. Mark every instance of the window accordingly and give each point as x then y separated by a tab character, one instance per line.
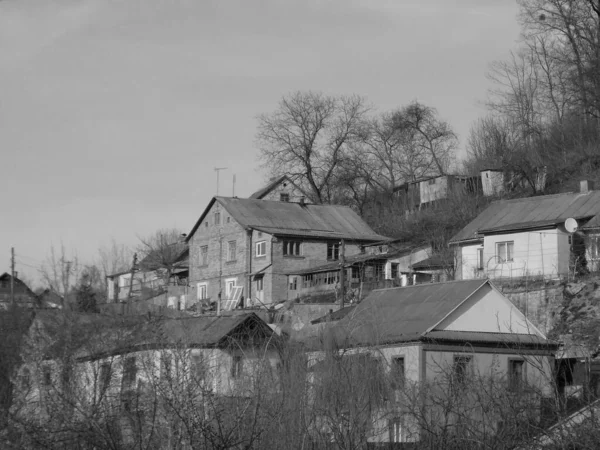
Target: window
284	197
479	259
394	273
355	273
462	368
291	248
432	181
333	251
202	291
228	219
259	284
308	280
237	366
379	271
516	369
230	284
204	255
25	379
206	224
231	250
293	283
217	218
261	248
396	430
129	374
105	376
398	373
504	251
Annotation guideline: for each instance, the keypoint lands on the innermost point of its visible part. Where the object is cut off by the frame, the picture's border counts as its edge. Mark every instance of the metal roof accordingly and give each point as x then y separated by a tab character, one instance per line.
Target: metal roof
295	219
410	314
406	313
334	315
531	213
432	263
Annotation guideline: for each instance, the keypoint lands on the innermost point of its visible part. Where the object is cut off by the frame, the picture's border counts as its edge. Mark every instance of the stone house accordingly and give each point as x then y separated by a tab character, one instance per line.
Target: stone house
97	358
440	335
530	237
245	248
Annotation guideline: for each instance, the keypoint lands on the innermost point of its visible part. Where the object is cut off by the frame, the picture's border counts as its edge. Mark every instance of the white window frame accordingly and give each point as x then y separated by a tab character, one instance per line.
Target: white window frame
230	283
231	251
260	284
503	247
261	249
202	287
203	261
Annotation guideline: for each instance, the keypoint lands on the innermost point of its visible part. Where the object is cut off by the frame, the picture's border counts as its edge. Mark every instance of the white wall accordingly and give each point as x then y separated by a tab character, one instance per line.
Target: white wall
468	261
536	253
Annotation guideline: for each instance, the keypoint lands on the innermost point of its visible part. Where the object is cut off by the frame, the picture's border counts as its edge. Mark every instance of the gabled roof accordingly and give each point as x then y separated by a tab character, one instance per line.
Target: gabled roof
294	219
411	314
95	335
532	213
261	193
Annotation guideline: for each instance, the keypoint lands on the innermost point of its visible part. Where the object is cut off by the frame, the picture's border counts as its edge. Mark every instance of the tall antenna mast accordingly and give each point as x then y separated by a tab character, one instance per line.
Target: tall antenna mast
218	169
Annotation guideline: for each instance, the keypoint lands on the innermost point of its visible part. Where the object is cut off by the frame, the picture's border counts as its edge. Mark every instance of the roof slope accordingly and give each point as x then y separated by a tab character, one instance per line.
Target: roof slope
406	313
410	314
295	219
531	212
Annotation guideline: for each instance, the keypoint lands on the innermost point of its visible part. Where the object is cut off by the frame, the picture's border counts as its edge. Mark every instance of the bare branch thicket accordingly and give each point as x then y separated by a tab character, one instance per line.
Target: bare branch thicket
60	271
161	252
308	136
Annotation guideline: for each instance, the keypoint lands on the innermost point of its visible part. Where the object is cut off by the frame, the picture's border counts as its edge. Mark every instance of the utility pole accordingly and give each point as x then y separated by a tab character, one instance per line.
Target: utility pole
133	264
342	272
233	188
12	275
218	169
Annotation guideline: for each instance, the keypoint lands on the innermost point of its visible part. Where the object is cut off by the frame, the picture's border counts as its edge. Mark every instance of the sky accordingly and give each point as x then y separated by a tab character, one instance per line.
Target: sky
114	113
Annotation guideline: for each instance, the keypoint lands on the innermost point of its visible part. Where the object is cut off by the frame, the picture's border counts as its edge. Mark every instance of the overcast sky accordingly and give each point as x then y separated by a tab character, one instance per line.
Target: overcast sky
114	113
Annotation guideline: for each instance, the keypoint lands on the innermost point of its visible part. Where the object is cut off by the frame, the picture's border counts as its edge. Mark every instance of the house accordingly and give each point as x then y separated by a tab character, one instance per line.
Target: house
437	337
425	192
377	266
281	189
160	268
12	288
247	247
98	364
527	237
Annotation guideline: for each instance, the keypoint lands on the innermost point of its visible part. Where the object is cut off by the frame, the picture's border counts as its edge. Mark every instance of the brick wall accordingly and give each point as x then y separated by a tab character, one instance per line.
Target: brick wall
220	266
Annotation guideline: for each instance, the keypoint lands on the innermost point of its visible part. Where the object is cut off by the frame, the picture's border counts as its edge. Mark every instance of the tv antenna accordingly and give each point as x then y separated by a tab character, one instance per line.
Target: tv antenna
218	169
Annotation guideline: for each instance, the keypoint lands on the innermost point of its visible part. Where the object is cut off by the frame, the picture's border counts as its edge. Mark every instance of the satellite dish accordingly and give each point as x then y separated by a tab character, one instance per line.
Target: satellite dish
571	225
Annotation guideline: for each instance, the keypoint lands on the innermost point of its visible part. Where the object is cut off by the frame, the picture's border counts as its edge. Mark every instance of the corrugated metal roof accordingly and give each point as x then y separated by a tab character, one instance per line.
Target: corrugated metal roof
404	314
532	212
307	220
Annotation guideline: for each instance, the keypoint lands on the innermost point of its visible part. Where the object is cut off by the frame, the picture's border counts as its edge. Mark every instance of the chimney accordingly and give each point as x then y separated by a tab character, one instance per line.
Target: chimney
586	186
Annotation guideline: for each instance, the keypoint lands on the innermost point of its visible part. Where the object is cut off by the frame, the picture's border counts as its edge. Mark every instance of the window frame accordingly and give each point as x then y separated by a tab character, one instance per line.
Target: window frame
237	366
516	384
333	251
294	245
257	247
217	218
398	378
203	256
480	258
292	283
396	430
506	245
462	368
284	197
202	287
232	251
259	284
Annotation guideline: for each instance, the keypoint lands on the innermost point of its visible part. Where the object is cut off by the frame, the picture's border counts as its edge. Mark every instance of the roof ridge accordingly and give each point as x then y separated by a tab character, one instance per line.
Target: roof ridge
537	197
430	284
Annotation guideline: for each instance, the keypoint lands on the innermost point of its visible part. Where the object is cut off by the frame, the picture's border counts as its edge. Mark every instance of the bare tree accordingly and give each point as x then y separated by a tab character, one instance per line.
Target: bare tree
162	252
308	137
60	271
